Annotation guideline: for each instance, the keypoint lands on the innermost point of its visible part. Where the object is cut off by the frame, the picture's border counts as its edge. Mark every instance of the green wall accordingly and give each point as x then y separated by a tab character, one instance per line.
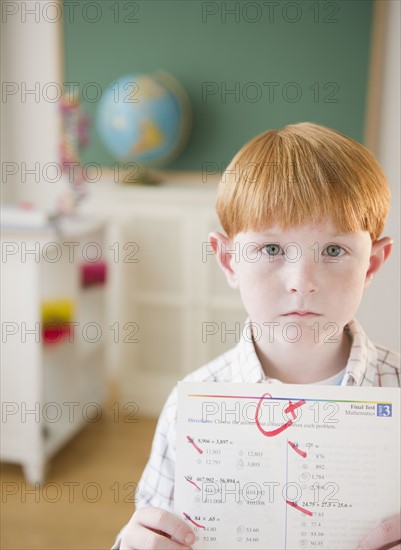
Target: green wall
318	50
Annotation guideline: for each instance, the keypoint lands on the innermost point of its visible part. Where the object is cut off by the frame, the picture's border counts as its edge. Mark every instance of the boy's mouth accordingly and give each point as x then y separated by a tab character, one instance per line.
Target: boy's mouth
302	313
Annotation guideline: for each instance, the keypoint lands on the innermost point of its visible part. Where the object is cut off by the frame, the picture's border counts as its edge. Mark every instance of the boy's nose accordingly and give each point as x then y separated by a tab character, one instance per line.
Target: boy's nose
302	278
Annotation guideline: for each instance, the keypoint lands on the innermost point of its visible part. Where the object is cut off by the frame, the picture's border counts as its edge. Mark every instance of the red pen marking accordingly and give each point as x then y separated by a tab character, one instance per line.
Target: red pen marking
292	412
292	406
299	508
194	522
193	482
289	409
295	447
194	444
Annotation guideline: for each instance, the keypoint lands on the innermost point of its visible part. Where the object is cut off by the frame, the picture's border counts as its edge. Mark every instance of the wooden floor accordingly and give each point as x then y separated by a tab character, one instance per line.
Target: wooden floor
88	494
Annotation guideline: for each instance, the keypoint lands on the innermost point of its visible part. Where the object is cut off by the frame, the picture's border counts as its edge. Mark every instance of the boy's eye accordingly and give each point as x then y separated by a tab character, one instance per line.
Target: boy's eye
333	250
272	249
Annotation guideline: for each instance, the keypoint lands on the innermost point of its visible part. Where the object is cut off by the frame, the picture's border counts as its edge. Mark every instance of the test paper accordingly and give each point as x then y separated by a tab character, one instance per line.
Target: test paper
285	466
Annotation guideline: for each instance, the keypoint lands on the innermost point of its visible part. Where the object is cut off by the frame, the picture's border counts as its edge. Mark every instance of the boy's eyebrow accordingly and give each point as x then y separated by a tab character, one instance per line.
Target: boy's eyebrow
341	235
269	234
280	234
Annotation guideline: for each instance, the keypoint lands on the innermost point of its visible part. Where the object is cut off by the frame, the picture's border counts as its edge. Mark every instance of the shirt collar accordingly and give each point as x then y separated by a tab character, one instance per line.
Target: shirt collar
359	369
248	365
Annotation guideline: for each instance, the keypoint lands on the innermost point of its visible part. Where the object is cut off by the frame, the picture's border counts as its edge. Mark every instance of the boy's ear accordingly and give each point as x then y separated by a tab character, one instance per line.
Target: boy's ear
223	249
380	252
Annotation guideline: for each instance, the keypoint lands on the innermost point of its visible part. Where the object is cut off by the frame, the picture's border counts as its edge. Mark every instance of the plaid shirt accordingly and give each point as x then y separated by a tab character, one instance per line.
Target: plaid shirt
368	365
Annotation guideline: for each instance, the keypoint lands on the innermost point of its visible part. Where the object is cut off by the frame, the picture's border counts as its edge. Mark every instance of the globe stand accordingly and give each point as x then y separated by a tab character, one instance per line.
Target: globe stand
142	175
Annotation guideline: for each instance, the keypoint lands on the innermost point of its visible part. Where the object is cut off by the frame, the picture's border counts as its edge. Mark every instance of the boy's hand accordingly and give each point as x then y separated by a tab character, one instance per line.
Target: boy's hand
386	535
154	528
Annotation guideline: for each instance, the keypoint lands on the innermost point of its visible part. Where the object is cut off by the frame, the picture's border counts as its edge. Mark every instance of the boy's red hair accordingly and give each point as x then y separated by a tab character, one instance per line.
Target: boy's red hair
303	172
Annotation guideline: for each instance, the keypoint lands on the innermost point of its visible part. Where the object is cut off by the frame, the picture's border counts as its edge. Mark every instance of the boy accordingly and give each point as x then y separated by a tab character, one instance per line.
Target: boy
303	208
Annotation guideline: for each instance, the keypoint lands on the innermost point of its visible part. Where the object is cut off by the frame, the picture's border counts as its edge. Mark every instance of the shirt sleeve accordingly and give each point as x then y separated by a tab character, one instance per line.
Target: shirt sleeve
156	486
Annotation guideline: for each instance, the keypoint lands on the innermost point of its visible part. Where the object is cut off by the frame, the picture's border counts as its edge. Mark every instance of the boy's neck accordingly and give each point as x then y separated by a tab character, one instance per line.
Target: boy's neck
309	367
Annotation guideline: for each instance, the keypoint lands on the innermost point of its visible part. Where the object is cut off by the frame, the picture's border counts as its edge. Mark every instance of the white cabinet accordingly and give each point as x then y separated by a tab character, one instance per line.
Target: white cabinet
169	293
49	390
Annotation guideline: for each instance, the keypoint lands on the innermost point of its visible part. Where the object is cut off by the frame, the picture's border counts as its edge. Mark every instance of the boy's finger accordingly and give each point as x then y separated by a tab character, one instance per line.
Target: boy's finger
386	535
142	538
161	520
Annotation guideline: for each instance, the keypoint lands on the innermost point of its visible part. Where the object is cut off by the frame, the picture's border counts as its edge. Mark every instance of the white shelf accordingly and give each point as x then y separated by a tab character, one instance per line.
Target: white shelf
58	378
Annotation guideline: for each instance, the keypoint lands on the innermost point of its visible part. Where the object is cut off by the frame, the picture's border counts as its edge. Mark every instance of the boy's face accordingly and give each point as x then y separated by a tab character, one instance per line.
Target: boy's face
304	282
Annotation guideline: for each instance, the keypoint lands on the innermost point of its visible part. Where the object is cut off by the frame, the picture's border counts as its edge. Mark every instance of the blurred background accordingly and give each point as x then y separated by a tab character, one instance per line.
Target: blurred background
117	121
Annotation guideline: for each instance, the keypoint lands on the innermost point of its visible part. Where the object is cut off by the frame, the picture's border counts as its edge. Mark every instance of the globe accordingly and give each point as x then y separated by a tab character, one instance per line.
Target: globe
144	119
